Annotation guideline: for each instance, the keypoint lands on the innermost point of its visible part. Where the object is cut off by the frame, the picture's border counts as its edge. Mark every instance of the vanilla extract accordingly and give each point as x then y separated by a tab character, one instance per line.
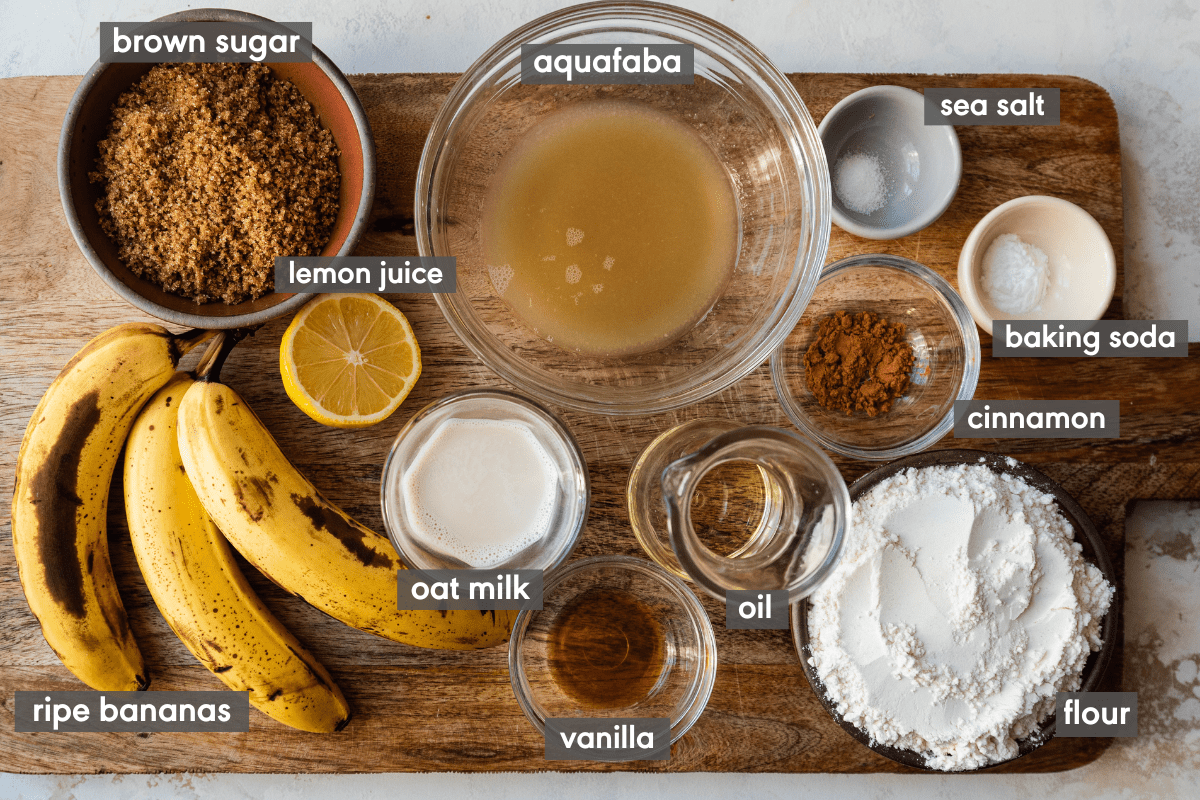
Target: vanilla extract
606	650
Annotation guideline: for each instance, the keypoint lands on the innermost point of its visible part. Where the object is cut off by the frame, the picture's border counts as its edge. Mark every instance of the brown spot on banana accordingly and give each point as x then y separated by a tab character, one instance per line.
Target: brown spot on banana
239	491
54	490
262	489
353	538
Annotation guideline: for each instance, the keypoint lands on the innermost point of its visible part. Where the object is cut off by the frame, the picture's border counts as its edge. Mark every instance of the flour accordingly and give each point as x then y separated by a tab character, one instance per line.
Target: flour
960	607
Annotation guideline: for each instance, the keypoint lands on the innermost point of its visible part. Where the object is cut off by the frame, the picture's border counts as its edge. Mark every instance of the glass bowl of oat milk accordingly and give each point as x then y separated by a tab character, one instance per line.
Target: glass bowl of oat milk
485	479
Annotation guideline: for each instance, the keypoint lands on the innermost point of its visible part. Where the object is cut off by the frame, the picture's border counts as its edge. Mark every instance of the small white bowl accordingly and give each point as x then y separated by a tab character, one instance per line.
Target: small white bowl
922	164
1083	267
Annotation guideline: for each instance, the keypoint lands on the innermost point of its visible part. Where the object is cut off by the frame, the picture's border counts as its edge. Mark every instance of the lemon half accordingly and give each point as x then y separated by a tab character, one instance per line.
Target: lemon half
349	360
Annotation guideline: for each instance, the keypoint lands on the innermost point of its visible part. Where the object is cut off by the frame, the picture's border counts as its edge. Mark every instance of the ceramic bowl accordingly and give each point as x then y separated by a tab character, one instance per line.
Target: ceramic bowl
921	164
945	347
1086	535
86	123
1083	266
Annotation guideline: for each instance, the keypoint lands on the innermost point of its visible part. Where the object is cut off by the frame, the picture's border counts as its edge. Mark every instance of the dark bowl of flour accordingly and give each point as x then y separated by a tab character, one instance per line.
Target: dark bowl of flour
1001	471
89	122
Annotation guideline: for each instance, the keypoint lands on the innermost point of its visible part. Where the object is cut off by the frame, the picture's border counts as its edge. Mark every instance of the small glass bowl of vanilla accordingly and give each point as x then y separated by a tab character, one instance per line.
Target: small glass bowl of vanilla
485	479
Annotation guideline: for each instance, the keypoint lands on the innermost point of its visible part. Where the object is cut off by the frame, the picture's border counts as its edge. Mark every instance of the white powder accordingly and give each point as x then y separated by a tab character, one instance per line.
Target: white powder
1015	274
860	183
960	607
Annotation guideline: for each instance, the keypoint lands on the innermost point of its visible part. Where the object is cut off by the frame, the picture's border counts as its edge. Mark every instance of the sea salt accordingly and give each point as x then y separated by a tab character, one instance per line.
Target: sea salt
860	183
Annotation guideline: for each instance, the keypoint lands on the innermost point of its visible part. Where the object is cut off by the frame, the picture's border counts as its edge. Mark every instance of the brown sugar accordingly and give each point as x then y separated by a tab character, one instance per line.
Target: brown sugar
858	362
210	171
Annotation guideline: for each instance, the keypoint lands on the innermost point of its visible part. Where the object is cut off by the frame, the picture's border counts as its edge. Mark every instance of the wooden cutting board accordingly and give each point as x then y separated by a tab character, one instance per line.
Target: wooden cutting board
419	710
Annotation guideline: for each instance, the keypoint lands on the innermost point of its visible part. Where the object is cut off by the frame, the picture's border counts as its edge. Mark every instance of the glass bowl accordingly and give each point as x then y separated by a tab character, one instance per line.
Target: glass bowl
945	346
682	670
744	109
1086	535
571	499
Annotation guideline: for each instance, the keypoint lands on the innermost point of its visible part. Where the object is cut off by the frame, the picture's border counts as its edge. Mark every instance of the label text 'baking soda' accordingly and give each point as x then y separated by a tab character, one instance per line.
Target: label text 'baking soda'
1106	338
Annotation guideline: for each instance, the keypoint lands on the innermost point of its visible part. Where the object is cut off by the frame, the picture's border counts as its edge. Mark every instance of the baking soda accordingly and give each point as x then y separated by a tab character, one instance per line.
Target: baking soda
1016	274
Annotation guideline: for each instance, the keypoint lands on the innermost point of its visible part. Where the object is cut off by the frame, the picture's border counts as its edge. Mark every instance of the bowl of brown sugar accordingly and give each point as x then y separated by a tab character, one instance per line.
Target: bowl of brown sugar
883	350
182	182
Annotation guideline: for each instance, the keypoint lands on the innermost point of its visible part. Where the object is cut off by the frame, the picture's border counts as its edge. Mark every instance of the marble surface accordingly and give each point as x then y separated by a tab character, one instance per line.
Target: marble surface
1147	55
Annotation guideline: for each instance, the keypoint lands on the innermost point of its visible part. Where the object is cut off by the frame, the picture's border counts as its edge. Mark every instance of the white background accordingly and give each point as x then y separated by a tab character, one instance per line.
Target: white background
1147	55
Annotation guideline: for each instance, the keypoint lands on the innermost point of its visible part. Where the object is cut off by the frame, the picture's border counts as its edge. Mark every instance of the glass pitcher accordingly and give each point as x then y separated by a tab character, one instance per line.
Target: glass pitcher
732	507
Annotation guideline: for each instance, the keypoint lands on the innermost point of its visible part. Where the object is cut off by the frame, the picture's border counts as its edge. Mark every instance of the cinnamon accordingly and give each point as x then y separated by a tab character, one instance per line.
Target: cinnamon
858	362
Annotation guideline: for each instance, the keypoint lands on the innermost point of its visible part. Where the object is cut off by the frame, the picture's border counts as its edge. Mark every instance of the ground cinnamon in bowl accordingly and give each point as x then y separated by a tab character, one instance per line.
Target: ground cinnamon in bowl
209	172
858	362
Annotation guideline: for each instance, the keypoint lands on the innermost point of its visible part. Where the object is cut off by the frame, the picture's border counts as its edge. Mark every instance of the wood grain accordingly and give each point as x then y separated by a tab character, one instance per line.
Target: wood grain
420	710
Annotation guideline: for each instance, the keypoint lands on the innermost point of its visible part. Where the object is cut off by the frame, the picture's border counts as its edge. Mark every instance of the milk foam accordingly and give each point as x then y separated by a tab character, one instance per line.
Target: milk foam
480	490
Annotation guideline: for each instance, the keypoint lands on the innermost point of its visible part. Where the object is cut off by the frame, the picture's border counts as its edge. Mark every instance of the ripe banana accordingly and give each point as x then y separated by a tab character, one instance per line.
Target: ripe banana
60	501
199	589
283	526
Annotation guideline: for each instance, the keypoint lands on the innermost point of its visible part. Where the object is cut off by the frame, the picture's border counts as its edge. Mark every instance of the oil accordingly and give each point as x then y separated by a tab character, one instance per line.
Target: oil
606	650
730	507
610	229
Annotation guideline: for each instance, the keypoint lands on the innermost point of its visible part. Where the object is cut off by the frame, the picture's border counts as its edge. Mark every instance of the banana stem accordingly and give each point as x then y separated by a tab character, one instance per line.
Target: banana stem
186	341
209	368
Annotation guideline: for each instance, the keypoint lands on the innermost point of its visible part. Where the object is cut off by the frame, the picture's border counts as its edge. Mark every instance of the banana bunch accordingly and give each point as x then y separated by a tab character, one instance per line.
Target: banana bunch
60	501
199	589
283	526
197	458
